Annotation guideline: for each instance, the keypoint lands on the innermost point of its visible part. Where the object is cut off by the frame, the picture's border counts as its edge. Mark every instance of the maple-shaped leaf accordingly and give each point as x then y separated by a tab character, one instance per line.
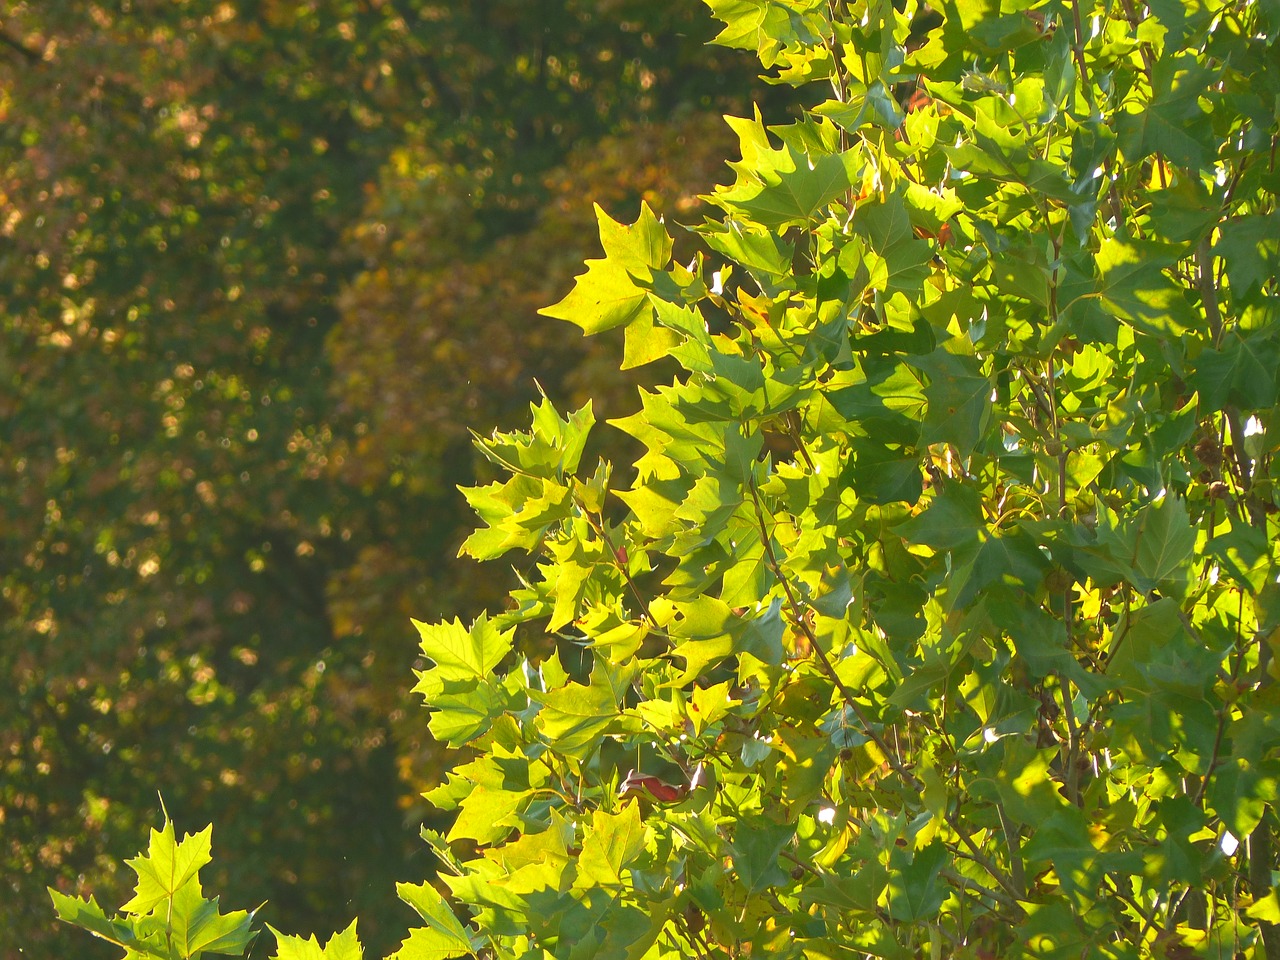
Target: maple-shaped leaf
1136	289
1174	122
195	926
784	187
611	842
459	686
607	295
462	653
435	912
574	717
770	26
341	946
442	937
517	512
551	449
86	913
168	866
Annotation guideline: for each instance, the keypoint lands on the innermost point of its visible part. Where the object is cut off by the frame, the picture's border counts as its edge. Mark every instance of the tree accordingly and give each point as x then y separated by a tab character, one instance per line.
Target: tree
938	615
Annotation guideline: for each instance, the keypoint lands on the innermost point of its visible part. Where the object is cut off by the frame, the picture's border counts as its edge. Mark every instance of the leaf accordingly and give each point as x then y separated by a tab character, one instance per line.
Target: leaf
959	397
197	927
341	946
607	295
784	187
1250	248
1266	909
612	842
757	844
574	718
462	653
915	893
168	866
443	936
765	26
1173	123
87	914
519	512
1135	288
1163	540
1239	793
1242	372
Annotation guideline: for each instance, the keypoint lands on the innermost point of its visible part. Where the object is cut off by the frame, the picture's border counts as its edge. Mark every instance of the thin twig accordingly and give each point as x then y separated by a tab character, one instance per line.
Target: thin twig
15	44
797	615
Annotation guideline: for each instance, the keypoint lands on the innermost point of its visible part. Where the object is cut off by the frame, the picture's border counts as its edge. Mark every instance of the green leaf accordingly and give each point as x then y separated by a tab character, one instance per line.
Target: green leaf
785	187
1173	123
443	936
612	842
461	653
1135	288
197	927
460	687
1250	248
341	946
915	891
168	866
1242	372
1239	793
756	847
607	295
958	394
86	913
519	512
1163	540
574	718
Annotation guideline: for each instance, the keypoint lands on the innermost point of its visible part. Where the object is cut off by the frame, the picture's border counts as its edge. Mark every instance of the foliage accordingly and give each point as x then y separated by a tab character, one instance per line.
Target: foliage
168	915
938	615
206	566
939	612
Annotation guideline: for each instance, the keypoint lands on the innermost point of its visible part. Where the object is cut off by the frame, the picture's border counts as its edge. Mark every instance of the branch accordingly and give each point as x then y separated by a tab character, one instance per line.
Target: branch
797	615
34	56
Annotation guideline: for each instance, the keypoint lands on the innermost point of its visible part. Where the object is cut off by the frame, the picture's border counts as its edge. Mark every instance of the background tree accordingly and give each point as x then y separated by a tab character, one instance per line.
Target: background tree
937	616
191	194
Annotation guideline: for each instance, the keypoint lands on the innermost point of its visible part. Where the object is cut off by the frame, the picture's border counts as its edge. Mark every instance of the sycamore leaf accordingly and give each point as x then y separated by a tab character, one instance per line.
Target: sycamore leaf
766	26
1136	289
757	845
459	687
168	866
780	188
958	394
463	653
1243	372
574	717
518	513
915	891
341	946
607	295
1250	249
197	927
1173	123
1162	541
550	450
442	937
611	843
86	913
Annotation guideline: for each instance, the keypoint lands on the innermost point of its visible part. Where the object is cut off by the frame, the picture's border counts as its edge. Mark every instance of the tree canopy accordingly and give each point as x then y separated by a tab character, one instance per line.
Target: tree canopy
937	614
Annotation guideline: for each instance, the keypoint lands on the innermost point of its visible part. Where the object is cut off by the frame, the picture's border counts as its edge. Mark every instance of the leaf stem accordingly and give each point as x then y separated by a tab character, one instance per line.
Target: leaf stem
797	616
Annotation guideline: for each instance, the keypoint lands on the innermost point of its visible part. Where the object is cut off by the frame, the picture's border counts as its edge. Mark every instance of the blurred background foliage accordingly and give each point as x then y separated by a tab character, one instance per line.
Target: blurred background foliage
263	265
